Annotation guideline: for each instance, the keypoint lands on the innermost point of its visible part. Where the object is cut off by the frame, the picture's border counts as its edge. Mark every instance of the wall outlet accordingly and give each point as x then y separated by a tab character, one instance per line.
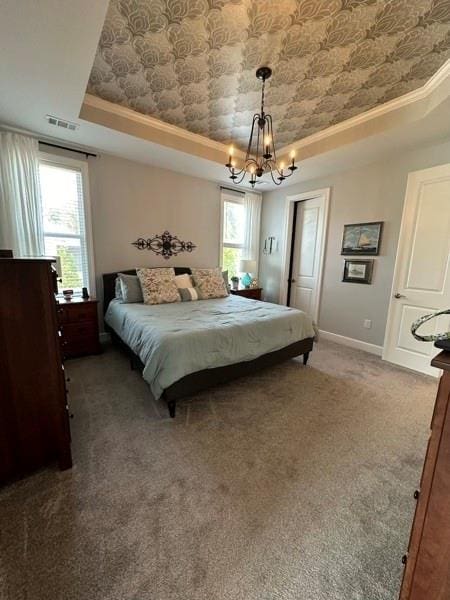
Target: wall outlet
368	324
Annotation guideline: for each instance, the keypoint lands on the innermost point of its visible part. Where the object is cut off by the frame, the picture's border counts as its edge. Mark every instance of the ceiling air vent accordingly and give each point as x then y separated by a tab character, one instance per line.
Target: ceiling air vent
61	123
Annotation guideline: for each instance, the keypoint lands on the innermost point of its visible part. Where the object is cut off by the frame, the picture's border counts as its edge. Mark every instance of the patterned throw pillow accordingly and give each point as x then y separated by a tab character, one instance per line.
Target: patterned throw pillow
188	294
209	283
158	285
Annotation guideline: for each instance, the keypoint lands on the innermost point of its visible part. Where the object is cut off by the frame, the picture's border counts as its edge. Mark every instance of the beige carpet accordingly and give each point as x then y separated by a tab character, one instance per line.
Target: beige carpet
295	484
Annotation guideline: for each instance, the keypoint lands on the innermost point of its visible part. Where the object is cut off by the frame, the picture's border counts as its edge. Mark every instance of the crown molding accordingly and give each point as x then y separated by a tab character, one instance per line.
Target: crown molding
407	108
124	119
147	120
438	85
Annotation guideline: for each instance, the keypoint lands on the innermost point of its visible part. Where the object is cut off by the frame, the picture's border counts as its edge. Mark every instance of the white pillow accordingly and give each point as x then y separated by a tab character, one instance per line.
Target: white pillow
183	281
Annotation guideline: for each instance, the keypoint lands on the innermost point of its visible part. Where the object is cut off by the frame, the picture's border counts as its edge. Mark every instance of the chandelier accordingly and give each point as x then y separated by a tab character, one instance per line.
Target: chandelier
261	156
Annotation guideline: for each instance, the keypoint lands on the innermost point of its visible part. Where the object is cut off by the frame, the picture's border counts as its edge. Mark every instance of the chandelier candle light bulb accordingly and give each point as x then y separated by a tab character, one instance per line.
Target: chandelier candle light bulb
261	156
230	157
267	154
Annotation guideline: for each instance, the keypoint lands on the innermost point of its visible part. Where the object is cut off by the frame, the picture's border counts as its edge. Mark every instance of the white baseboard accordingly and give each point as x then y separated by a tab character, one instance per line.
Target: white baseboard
351	342
105	337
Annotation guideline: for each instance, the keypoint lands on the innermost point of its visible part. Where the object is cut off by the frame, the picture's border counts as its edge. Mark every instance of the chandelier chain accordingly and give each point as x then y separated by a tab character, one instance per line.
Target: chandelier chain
262	97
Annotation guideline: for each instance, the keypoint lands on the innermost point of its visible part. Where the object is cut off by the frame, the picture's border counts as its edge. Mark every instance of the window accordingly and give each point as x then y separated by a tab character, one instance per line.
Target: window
233	233
64	220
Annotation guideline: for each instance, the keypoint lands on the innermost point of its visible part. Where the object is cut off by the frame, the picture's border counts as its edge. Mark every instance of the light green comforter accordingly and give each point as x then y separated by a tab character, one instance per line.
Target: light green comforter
173	340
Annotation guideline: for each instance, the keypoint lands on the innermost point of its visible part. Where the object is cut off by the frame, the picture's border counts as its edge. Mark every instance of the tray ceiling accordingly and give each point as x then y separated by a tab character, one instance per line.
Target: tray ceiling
192	63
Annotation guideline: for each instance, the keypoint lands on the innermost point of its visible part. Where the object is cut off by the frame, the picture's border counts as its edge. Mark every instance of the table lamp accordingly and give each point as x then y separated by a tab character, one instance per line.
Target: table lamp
247	267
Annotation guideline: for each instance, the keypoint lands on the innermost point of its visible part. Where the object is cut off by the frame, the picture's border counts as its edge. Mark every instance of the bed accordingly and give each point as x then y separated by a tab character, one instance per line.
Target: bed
185	347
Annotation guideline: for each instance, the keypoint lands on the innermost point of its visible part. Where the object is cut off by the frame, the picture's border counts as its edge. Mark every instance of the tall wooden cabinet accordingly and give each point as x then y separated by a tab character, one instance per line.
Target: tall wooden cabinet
34	426
427	571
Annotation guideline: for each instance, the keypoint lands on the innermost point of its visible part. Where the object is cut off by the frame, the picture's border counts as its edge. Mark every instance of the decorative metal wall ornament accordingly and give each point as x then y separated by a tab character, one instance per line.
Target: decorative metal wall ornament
261	156
165	245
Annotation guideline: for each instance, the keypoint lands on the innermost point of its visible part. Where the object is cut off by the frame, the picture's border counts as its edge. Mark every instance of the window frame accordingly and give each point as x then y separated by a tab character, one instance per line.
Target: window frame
237	200
56	160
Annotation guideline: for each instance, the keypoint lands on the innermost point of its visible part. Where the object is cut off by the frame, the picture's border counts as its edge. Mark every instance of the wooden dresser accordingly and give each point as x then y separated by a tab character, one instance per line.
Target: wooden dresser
427	571
34	425
78	322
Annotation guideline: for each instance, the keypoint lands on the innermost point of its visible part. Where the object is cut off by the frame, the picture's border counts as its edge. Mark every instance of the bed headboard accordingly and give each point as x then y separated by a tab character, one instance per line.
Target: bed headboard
109	282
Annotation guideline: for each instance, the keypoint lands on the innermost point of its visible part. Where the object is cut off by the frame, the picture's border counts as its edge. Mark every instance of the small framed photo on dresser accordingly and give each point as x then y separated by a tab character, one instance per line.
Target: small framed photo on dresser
358	271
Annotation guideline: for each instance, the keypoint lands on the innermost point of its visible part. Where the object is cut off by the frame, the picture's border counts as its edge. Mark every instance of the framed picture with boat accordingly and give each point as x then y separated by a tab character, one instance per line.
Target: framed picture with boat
362	239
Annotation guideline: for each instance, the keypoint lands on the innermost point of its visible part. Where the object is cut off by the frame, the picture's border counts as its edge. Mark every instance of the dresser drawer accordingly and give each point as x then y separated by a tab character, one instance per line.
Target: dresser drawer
61	313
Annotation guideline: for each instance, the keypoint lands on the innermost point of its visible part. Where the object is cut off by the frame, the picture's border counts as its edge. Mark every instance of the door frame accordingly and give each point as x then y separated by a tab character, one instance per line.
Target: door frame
288	241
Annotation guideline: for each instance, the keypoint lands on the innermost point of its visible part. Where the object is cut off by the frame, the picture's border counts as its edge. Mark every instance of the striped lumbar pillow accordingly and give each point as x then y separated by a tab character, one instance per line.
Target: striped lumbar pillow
188	294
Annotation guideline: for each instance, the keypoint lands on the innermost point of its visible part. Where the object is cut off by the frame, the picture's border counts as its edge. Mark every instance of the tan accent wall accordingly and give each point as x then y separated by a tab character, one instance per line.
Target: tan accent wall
131	200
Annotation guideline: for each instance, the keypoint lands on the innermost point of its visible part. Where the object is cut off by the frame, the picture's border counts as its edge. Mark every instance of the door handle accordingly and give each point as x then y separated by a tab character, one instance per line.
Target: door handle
292	280
397	295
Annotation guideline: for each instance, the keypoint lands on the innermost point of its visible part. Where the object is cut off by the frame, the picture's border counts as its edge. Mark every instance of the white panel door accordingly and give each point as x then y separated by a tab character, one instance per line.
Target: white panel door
422	270
306	264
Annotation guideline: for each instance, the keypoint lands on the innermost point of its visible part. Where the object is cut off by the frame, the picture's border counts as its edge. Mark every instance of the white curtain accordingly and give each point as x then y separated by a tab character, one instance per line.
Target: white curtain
20	196
252	203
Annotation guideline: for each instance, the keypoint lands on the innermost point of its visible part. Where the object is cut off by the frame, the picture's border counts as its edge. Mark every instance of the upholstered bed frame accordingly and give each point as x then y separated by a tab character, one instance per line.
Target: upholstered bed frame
196	382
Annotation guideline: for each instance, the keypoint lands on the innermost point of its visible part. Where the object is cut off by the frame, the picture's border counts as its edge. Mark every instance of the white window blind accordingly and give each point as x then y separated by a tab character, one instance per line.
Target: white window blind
233	232
64	222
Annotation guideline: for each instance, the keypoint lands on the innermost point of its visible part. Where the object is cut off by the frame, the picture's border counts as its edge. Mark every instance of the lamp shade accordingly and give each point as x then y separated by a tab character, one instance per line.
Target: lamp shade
247	266
58	267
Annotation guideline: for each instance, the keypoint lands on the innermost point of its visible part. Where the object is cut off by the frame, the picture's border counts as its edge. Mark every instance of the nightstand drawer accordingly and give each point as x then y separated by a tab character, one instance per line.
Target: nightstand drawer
77	331
79	312
80	347
254	293
78	323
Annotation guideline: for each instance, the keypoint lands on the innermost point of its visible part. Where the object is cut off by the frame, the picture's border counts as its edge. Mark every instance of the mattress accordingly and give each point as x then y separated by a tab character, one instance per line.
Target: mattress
174	340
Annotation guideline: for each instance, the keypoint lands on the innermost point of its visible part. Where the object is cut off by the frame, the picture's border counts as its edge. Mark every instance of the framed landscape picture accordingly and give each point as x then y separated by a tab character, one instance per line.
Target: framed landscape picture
358	271
362	239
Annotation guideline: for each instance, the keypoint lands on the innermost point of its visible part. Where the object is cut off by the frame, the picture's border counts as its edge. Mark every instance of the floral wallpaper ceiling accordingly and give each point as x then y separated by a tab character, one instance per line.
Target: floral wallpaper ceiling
192	62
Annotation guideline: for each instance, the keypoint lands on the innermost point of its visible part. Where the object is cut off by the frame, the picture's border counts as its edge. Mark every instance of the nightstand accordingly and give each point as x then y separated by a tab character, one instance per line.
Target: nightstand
253	293
78	324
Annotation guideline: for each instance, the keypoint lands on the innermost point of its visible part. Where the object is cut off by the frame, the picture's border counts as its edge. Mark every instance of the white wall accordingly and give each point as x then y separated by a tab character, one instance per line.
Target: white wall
371	193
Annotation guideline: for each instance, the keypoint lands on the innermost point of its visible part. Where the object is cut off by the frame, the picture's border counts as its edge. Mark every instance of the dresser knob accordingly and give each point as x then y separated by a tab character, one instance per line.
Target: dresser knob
404	558
416	494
